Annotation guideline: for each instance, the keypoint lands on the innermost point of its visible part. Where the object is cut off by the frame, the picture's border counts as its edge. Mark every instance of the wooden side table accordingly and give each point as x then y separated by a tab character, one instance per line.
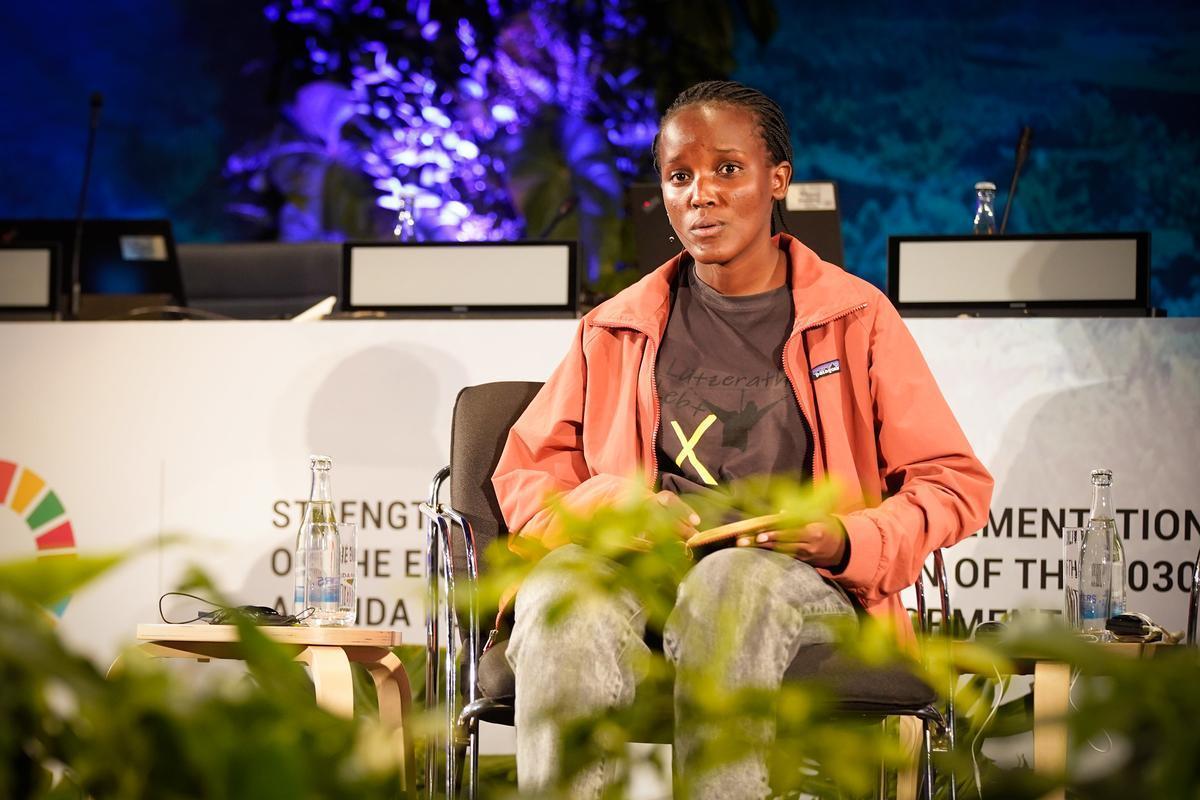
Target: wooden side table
328	653
1051	703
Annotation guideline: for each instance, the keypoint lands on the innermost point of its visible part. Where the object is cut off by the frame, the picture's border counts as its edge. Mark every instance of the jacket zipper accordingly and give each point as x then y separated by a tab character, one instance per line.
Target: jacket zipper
653	475
816	431
657	416
812	455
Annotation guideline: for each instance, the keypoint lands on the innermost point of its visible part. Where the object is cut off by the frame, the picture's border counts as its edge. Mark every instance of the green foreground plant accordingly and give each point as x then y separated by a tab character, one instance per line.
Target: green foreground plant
70	732
1142	710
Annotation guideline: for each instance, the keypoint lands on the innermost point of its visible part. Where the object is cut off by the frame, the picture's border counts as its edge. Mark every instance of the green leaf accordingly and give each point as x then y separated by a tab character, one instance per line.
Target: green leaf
46	581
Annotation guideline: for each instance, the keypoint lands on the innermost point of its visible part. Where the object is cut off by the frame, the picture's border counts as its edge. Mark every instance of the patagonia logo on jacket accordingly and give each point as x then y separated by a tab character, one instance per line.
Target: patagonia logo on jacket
828	368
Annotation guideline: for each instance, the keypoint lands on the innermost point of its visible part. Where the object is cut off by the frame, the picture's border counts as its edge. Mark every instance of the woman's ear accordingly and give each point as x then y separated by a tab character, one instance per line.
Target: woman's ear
781	177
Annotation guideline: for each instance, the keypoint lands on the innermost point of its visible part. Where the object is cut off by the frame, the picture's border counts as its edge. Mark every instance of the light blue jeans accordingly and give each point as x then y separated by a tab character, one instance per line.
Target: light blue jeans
756	606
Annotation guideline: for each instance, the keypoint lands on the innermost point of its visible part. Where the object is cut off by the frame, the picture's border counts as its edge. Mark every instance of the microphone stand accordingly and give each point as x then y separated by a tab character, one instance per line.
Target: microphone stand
1022	154
564	209
97	101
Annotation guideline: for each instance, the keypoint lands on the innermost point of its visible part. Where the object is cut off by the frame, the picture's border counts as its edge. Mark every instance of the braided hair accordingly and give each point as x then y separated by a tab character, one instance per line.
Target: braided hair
772	124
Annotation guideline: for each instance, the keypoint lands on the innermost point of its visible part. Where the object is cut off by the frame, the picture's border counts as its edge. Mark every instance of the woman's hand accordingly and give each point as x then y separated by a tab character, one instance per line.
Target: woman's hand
822	544
688	518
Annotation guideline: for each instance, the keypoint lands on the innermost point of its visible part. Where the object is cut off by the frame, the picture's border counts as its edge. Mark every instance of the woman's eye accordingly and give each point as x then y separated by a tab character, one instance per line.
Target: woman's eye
678	177
727	169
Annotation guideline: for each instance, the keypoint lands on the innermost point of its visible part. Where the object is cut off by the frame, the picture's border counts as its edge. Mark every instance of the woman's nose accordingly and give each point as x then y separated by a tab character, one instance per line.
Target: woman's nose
704	192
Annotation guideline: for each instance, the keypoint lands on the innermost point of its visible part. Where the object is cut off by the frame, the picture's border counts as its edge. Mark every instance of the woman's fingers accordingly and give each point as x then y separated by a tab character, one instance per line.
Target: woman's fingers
796	549
688	518
817	543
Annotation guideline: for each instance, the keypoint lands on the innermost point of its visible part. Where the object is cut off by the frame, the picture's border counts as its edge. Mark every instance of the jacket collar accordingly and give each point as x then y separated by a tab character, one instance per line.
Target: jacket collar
820	292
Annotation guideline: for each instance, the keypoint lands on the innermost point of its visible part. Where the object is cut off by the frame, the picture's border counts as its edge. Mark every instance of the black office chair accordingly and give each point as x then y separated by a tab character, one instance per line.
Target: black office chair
458	531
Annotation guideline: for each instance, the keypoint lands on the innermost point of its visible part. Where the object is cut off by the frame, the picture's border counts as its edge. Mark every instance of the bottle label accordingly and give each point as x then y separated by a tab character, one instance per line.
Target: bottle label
325	589
1091	607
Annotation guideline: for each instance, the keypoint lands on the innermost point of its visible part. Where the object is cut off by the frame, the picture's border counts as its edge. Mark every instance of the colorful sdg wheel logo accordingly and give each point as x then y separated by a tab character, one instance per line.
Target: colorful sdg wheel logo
26	493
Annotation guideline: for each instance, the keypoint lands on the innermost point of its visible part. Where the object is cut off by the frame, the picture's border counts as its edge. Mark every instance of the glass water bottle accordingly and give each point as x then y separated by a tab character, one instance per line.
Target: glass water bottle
318	509
1102	560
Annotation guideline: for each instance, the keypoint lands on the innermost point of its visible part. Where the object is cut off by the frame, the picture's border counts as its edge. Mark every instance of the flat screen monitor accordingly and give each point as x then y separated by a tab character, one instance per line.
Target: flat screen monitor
29	279
117	256
810	213
1045	274
516	278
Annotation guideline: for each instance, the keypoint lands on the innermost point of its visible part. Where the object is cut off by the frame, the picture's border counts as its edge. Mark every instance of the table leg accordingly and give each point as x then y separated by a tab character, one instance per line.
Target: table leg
1051	695
912	734
332	679
395	705
116	666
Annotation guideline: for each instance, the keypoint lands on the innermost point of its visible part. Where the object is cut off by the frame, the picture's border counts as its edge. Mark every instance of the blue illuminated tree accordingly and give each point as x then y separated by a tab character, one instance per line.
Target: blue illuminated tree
434	110
490	120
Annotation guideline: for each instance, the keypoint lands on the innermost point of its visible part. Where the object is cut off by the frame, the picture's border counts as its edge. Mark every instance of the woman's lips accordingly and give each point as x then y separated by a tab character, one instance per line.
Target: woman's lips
706	230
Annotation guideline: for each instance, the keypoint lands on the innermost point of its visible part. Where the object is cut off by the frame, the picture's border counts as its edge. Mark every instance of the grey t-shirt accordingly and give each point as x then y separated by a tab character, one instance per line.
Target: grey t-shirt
728	411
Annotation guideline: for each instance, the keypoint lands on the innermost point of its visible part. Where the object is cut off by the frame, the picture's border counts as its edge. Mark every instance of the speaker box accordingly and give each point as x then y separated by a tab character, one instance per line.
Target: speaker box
810	213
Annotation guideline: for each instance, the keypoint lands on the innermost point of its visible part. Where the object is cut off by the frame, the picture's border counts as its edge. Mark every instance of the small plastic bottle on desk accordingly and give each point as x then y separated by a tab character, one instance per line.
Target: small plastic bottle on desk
405	229
985	214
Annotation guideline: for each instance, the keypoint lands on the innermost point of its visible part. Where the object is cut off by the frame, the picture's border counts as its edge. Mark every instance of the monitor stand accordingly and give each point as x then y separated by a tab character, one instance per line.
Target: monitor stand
122	306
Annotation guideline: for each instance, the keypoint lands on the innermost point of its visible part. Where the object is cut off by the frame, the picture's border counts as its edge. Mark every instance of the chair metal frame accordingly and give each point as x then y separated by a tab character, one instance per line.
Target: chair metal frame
460	738
1194	602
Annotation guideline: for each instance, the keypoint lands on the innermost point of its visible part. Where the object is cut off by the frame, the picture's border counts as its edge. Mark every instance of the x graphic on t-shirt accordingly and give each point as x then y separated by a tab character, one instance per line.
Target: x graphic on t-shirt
689	447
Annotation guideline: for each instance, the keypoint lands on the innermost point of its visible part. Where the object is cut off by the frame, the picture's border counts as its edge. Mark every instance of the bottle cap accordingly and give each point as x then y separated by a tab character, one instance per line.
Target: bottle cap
320	462
1102	477
985	186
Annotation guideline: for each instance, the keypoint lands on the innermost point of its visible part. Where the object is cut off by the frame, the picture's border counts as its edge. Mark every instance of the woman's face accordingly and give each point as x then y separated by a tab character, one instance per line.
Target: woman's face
718	183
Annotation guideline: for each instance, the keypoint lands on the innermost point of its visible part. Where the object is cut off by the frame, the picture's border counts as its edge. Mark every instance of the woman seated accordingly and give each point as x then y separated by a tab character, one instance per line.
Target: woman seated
744	355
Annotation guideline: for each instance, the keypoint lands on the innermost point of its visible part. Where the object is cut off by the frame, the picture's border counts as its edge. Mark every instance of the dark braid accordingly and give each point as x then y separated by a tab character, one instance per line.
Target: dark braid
772	124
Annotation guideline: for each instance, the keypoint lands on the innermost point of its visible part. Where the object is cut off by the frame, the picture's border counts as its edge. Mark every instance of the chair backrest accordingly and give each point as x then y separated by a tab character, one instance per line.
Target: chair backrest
482	416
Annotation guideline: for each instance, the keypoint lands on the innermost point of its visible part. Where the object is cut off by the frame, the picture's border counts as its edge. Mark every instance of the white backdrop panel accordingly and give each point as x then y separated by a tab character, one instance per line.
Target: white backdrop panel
204	429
